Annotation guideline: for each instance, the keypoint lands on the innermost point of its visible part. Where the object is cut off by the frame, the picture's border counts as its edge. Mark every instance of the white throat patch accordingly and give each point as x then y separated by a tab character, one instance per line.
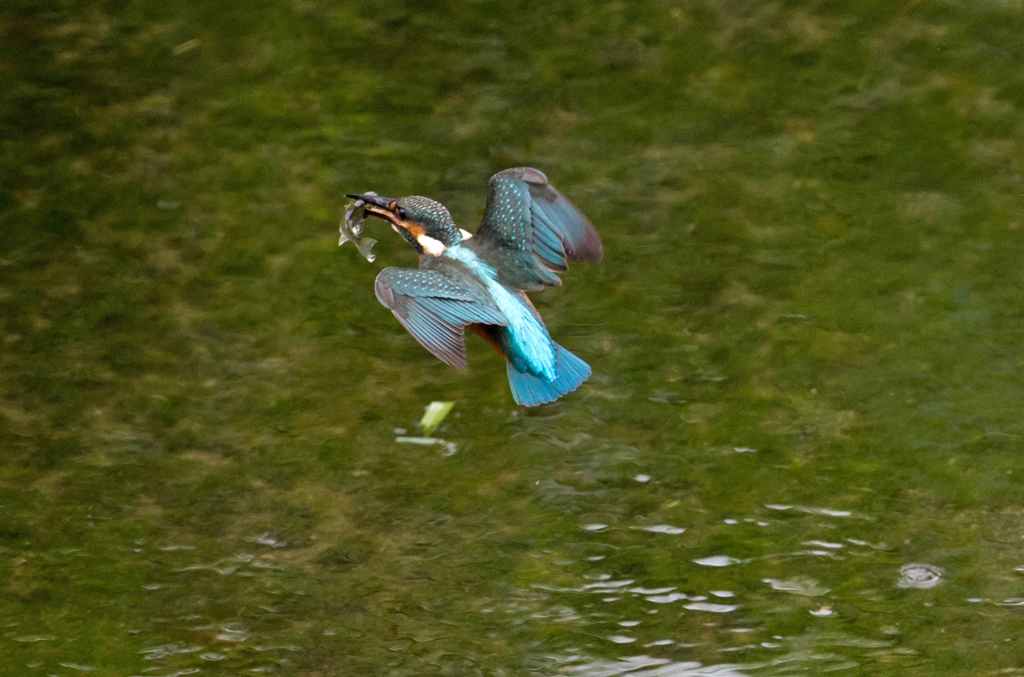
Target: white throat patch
430	245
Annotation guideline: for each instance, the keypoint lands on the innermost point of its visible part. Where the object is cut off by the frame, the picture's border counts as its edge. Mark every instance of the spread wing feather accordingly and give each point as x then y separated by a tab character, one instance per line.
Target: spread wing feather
435	309
536	227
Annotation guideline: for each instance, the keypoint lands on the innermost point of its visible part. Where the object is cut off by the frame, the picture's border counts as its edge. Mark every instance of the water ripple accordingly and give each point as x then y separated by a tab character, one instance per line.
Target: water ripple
827	512
663	529
77	666
920	576
826	544
713	608
667	599
35	638
798	585
647	666
652	591
165	650
717	561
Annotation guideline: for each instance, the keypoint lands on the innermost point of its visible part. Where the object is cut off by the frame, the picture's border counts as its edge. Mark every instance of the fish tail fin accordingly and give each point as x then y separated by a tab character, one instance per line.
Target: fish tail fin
530	391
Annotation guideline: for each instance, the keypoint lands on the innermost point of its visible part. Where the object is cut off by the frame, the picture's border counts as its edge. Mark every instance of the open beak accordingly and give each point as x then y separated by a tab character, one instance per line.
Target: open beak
381	207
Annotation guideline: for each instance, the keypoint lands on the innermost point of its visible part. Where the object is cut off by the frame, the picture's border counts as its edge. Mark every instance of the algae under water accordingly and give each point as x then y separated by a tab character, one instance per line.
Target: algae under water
801	449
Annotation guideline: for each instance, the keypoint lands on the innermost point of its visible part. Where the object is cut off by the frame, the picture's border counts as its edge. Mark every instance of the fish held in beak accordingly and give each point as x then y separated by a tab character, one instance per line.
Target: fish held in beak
352	225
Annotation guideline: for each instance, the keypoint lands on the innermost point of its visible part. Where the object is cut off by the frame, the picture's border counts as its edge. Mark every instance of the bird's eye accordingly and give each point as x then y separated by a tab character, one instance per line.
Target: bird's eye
402	214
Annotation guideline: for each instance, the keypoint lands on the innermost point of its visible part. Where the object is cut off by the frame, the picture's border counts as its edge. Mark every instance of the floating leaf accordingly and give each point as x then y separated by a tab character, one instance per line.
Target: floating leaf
435	415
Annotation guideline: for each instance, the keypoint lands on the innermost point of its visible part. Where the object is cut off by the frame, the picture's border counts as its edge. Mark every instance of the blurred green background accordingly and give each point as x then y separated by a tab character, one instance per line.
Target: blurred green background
801	447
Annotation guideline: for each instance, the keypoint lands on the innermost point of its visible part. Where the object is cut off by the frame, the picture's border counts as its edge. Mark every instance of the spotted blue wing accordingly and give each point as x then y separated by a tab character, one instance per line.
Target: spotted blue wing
536	229
435	309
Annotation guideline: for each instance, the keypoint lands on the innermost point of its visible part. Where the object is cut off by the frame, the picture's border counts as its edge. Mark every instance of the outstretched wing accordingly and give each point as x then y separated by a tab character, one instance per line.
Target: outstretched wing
435	309
531	222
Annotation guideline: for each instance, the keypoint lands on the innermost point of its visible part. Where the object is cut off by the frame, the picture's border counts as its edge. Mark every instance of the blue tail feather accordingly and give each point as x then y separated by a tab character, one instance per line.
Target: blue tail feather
529	390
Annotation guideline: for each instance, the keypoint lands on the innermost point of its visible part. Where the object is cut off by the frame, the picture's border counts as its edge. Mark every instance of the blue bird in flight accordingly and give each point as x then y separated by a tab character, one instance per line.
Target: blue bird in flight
528	234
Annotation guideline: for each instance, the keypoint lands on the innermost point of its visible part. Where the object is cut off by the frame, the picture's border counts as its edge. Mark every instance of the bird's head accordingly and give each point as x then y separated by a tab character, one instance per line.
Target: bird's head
424	223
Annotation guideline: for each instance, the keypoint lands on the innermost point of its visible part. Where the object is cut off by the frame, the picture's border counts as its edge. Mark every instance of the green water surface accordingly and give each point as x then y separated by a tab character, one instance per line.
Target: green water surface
802	447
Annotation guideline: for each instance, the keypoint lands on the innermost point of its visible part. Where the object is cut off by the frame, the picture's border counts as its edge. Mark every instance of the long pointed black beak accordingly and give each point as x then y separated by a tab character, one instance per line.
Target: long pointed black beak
375	200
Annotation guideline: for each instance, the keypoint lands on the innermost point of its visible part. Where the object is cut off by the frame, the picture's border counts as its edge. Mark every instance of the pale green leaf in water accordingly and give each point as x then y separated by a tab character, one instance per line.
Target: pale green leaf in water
435	415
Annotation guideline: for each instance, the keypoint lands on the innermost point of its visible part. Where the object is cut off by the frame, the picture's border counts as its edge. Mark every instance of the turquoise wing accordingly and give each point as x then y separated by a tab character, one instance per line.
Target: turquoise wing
435	309
533	229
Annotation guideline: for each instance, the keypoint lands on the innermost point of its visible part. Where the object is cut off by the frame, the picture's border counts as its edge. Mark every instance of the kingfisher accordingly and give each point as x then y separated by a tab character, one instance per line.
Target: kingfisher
528	234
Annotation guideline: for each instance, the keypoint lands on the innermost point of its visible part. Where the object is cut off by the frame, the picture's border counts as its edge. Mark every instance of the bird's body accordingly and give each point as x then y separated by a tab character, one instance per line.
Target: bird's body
525	333
479	281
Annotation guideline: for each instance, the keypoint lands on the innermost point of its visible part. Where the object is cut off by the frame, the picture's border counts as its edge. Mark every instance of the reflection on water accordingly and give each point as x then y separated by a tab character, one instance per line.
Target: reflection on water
717	561
798	585
723	617
653	667
813	590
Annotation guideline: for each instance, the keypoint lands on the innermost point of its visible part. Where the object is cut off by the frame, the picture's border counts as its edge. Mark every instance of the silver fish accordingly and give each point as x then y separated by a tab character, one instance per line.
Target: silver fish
352	229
